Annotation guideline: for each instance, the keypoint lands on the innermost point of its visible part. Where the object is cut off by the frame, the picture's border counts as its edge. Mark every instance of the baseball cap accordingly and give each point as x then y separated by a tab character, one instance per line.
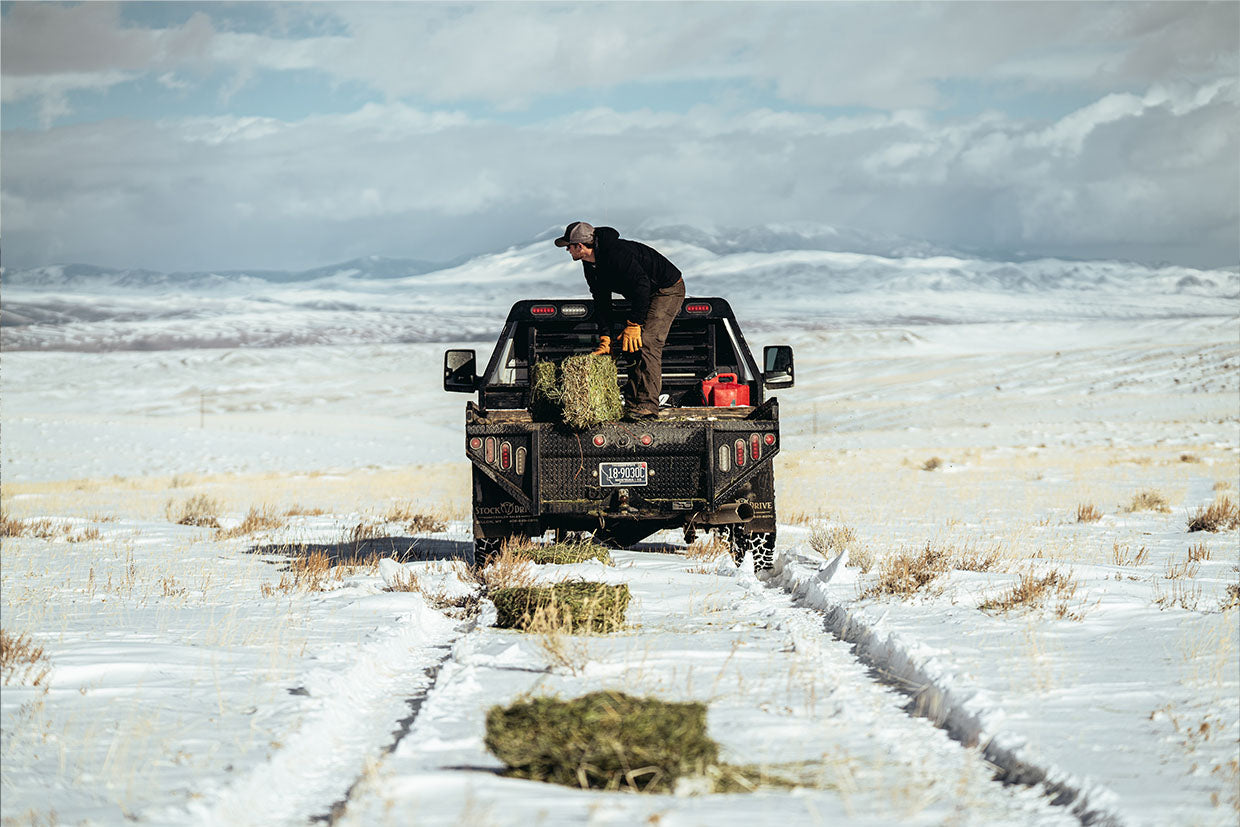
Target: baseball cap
579	232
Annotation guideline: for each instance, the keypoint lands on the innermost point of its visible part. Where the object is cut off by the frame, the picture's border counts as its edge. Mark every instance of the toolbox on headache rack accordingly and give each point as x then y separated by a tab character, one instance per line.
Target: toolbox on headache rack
722	390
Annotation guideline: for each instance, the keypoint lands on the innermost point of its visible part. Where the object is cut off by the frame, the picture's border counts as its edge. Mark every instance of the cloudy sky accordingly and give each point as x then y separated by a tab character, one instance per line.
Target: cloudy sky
228	135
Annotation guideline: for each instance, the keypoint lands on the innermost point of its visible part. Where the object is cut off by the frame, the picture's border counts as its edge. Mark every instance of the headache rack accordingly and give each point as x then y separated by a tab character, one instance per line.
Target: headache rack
704	338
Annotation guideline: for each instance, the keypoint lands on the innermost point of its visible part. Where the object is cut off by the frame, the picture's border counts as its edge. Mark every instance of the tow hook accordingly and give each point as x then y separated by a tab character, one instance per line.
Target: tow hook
622	499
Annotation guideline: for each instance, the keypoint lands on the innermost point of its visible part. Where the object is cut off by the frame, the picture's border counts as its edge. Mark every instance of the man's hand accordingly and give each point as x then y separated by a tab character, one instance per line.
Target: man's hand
631	338
604	346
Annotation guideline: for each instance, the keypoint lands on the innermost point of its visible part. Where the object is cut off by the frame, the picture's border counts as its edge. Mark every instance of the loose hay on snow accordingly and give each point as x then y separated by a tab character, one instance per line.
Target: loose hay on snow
604	740
578	606
565	553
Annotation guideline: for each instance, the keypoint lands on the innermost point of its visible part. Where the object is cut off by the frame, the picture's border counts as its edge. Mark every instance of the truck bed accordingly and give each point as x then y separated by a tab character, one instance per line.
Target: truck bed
685	414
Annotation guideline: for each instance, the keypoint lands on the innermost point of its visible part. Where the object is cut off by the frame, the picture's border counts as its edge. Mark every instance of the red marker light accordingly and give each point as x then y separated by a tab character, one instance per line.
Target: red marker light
599	440
542	310
769	439
697	307
475	444
647	439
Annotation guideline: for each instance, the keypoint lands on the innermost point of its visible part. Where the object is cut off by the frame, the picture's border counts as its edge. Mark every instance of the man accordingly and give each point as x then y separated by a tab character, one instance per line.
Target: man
655	291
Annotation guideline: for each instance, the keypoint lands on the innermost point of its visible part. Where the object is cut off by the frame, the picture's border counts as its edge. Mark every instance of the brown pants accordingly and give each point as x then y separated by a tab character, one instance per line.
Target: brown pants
646	376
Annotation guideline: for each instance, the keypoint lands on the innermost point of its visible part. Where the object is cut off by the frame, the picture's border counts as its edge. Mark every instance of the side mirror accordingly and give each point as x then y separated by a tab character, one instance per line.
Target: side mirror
777	368
460	371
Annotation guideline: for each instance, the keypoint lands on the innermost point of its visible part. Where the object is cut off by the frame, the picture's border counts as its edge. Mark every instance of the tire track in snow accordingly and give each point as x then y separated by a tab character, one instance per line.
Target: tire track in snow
955	710
359	712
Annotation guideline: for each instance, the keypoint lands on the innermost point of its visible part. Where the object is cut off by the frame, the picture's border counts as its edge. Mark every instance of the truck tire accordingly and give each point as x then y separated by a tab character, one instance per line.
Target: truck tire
760	543
485	550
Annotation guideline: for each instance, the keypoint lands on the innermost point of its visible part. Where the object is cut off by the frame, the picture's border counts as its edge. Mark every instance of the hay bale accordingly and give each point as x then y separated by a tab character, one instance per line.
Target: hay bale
573	607
583	392
545	392
565	553
604	740
590	391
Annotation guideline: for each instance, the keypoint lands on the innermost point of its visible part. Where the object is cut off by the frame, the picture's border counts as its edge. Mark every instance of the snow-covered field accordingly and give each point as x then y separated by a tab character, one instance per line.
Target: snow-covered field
192	676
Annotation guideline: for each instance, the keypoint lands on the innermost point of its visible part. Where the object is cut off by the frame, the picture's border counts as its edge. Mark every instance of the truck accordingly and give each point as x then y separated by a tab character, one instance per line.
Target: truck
706	464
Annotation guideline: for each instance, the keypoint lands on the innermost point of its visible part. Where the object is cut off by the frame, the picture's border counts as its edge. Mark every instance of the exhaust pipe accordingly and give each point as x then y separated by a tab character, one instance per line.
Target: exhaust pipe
739	512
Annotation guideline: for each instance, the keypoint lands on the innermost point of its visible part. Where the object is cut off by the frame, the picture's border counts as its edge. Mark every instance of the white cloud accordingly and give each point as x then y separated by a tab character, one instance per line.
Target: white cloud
1152	172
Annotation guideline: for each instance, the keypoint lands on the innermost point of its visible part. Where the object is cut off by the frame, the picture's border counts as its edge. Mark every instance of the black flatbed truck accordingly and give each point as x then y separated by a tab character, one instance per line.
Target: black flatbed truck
695	467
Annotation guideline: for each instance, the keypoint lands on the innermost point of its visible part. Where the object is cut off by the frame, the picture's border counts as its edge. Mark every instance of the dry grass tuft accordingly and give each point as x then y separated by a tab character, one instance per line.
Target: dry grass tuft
1088	513
932	464
708	549
909	572
1232	597
1034	592
508	569
1149	500
861	557
829	541
976	560
418	522
21	661
1187	569
1124	556
298	510
198	510
264	519
1222	514
1198	553
1222	485
1189	458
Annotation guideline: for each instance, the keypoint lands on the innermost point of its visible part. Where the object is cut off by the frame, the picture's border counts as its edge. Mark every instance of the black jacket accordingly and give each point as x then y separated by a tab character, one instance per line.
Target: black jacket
629	268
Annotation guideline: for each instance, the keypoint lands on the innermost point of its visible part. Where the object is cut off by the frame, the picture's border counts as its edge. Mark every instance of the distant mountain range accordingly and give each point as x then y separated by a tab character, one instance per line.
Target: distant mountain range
774	277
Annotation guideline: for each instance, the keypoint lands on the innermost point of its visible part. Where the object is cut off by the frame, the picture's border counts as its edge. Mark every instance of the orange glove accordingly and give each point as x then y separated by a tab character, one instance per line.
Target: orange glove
604	346
631	338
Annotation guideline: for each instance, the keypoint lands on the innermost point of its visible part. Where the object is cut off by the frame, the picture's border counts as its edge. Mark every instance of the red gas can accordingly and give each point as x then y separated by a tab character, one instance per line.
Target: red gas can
721	390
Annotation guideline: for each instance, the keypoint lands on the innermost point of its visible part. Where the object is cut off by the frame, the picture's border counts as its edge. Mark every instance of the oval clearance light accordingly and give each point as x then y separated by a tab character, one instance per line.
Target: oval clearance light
740	453
725	458
489	454
697	308
769	439
573	310
505	455
475	444
647	439
599	440
543	310
520	460
755	446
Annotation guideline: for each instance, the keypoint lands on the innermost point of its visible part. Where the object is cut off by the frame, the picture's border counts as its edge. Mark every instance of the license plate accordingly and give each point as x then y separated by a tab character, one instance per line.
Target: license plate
621	474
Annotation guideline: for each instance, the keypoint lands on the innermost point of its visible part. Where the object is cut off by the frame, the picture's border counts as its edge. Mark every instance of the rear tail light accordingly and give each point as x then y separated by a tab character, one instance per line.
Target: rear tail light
697	308
599	440
740	453
543	310
505	455
755	446
489	454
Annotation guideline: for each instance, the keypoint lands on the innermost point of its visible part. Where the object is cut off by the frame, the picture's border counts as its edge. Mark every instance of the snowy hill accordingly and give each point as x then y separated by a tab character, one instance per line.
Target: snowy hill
374	299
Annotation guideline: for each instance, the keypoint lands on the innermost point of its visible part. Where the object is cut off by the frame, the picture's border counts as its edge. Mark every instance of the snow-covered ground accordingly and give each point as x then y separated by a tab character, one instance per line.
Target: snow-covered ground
191	679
